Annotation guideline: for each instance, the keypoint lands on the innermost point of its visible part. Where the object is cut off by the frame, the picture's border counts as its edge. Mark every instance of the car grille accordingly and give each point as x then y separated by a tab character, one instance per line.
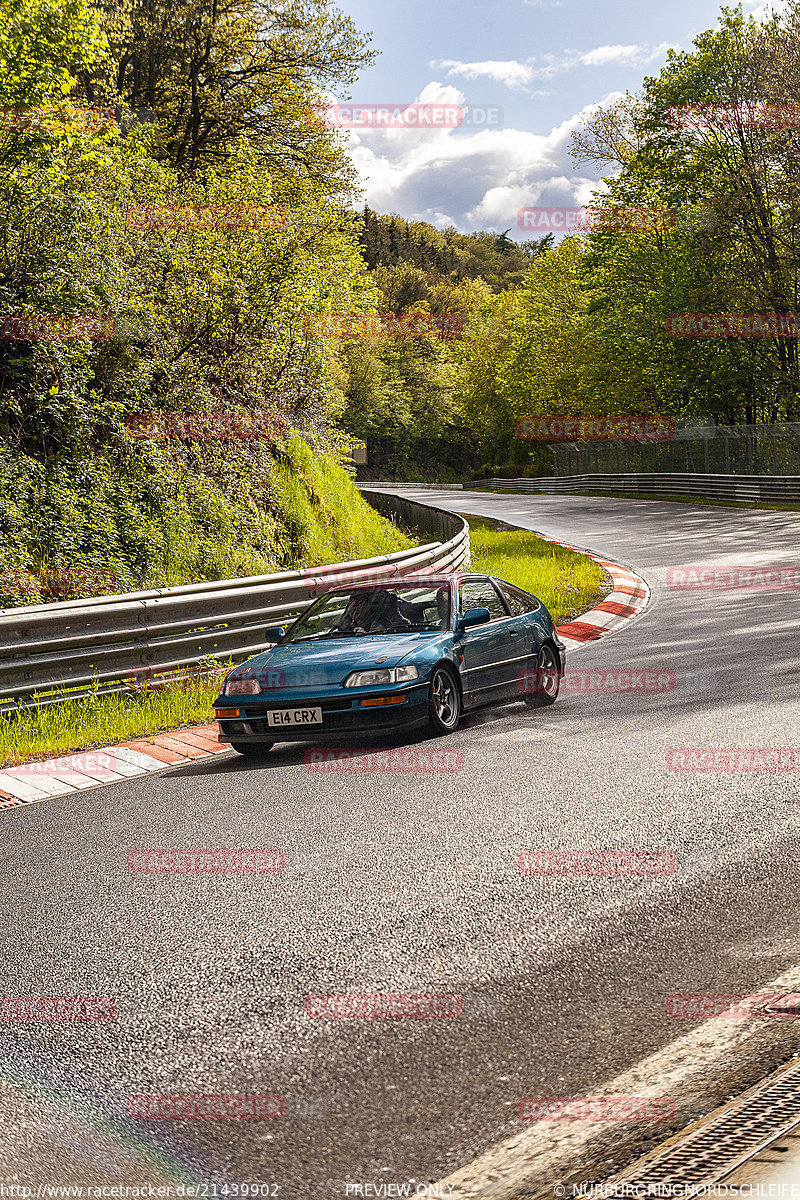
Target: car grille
343	705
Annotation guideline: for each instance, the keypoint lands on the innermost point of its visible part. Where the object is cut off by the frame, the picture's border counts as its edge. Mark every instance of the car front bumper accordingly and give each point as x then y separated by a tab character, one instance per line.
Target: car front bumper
341	715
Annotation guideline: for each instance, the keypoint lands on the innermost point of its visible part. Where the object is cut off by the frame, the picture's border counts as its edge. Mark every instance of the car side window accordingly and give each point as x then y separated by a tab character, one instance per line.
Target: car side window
480	593
519	602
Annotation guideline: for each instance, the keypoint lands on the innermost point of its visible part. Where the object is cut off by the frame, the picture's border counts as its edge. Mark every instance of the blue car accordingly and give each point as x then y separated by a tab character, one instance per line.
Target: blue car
393	656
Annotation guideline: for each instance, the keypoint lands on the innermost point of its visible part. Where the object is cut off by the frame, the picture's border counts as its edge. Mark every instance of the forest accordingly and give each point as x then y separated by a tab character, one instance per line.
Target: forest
174	225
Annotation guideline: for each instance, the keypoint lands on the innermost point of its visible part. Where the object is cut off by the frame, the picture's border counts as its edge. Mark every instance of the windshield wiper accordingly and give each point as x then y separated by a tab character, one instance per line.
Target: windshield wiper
317	637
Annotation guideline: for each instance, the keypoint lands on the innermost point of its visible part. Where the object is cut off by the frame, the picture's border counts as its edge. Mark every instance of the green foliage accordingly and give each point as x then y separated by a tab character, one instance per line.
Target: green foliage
586	332
205	320
567	583
100	525
403	394
387	241
43	46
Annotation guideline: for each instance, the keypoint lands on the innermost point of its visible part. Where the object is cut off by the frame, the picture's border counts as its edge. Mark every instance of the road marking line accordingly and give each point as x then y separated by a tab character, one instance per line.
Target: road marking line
549	1152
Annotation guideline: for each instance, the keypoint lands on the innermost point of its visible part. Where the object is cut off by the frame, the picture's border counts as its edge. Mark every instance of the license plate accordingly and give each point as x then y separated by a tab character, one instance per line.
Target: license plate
295	716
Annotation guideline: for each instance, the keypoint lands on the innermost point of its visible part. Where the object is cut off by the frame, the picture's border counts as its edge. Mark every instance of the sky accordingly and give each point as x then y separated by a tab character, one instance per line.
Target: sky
540	66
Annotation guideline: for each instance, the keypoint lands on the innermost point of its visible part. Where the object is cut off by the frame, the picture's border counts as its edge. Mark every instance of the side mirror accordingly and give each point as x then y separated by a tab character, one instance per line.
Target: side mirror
274	633
472	617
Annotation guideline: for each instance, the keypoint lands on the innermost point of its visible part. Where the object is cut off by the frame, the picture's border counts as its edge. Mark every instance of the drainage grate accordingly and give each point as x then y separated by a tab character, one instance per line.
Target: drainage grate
740	1131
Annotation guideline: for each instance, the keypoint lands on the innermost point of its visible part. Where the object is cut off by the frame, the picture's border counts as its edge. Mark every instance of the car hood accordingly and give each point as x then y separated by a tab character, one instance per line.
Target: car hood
310	664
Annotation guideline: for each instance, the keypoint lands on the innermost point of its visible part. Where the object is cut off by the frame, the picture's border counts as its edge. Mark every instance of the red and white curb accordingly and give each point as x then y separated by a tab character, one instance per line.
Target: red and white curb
28	782
629	597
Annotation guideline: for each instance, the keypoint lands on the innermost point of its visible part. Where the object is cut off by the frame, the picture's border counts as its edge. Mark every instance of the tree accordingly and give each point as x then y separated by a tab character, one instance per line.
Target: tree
217	70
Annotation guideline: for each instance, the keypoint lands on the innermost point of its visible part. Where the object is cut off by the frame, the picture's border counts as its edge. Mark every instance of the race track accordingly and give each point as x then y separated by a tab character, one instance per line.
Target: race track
409	883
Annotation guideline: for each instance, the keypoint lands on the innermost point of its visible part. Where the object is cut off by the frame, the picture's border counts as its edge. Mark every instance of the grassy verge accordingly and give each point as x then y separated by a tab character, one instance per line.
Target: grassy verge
301	509
566	582
105	720
317	516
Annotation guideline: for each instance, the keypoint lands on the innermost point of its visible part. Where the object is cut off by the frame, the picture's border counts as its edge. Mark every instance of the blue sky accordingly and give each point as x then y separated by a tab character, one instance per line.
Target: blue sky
544	62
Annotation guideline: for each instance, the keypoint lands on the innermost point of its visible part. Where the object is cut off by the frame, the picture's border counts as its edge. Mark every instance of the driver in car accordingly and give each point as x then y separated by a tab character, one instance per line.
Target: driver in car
419	613
373	612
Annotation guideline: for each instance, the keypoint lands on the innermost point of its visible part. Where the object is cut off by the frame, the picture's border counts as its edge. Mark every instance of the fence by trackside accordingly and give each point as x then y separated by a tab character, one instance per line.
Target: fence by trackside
763	449
744	489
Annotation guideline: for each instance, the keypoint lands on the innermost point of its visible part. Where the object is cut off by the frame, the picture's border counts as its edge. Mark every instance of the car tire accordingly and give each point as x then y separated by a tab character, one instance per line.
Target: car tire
444	702
252	749
548	677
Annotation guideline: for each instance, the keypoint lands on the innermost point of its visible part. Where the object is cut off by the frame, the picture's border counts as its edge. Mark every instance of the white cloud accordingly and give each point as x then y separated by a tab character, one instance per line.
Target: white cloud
513	74
477	181
761	10
607	54
516	74
629	55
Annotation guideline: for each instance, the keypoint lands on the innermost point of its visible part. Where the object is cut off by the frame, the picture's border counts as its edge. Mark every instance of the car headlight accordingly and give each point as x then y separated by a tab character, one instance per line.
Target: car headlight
242	687
384	675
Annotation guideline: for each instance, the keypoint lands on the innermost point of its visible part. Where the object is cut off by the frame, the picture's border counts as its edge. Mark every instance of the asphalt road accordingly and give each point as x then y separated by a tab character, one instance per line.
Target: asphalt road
409	883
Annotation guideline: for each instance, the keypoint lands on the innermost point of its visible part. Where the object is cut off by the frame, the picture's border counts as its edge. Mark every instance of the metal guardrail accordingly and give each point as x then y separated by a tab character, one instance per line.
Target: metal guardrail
771	489
438	487
75	647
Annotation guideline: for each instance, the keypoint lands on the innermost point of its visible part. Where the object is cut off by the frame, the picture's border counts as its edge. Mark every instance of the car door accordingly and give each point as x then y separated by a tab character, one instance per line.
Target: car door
493	653
523	606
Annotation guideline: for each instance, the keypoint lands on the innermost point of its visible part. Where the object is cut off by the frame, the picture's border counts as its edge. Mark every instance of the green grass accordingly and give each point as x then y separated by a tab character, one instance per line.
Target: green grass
298	509
324	515
105	720
566	582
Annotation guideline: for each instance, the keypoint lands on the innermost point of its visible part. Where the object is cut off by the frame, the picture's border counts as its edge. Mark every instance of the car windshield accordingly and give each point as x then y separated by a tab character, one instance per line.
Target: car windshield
363	611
